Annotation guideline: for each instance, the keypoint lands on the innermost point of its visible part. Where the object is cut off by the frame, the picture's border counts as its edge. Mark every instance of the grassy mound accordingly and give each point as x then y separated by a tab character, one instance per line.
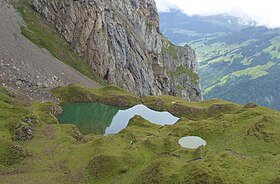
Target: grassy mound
242	144
191	110
110	95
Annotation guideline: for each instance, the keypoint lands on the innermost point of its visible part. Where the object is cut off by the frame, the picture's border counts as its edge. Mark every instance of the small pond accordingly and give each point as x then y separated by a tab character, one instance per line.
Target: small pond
98	118
192	142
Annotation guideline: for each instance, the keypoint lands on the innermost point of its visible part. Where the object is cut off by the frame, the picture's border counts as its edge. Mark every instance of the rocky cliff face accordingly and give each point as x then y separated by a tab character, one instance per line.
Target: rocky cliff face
120	39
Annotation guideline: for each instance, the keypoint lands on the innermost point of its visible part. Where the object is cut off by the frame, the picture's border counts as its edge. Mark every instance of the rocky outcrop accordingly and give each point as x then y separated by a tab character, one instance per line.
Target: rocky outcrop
23	133
120	39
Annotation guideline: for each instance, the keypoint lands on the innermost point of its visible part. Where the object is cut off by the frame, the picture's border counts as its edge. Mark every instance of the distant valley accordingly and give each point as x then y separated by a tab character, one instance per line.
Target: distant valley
92	92
238	62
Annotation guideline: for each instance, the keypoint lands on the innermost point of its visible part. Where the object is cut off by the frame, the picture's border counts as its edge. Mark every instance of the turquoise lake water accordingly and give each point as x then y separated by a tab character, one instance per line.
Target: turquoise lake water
98	118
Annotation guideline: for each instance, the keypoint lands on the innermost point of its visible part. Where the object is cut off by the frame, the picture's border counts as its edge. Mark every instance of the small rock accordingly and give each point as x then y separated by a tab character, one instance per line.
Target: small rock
29	84
6	65
251	105
56	78
14	68
39	84
31	120
18	83
45	85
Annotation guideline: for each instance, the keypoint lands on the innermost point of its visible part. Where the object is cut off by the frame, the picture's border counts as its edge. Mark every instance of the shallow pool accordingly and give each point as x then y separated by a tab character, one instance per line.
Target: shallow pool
98	118
192	142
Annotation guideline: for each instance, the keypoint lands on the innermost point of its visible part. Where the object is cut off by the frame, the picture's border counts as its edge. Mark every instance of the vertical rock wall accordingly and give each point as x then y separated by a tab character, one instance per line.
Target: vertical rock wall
120	39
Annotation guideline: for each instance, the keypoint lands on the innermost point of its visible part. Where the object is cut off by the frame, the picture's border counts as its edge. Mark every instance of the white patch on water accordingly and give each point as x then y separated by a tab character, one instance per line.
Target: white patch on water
122	118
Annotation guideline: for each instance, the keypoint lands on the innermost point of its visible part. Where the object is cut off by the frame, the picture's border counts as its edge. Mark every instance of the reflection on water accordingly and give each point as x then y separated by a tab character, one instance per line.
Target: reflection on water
88	117
122	118
98	118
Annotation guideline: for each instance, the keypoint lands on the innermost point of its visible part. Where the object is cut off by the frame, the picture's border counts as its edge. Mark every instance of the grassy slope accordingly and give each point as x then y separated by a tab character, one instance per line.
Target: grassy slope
242	145
110	95
44	35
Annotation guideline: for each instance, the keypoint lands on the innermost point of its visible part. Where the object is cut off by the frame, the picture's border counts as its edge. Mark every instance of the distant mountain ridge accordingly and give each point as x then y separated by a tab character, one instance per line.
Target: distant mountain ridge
238	63
187	28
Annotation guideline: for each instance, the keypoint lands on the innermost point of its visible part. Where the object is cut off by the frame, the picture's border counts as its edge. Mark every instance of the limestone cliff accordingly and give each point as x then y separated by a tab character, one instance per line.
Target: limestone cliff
120	39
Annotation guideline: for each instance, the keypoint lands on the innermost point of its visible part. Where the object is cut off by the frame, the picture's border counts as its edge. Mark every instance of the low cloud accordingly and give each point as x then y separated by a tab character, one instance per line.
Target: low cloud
265	13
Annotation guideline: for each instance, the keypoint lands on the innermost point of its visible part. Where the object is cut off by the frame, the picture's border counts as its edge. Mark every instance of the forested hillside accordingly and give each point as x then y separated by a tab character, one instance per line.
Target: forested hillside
237	63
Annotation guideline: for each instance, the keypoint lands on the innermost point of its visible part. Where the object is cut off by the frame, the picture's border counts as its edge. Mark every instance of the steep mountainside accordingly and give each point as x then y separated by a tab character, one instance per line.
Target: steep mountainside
240	65
27	68
120	40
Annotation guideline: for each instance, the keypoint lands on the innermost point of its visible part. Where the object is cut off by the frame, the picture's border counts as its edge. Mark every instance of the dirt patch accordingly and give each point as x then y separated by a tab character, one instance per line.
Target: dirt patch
48	131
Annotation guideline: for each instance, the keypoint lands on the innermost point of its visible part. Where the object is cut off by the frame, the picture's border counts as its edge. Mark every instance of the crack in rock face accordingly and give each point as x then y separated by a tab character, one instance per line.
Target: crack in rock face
122	42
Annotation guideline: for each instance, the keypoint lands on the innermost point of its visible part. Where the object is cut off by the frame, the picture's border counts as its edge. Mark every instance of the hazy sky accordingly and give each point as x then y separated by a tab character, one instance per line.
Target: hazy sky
264	12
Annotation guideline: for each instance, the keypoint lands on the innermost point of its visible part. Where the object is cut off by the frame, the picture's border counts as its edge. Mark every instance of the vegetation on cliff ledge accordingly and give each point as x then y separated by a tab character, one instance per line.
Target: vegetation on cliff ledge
44	35
242	143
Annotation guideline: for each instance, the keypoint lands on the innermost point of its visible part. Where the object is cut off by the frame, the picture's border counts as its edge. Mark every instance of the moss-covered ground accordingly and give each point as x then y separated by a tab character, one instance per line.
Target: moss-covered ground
242	144
110	95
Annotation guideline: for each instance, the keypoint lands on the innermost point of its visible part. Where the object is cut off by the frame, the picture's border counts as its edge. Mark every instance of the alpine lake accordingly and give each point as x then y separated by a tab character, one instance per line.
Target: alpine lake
101	119
98	118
